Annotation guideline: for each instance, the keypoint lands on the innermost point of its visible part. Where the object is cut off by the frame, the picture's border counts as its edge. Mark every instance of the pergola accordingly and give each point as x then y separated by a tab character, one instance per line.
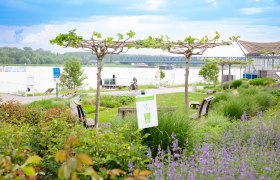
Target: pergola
228	62
262	51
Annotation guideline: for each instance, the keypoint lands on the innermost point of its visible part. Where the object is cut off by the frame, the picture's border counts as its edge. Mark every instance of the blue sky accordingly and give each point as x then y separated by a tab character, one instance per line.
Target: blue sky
33	22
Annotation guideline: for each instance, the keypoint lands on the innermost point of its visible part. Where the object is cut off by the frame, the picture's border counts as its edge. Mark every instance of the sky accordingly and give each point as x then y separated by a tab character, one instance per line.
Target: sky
32	23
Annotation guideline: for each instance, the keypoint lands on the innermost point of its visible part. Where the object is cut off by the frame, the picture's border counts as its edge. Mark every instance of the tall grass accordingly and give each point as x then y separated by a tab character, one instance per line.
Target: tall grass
160	135
51	103
249	101
169	123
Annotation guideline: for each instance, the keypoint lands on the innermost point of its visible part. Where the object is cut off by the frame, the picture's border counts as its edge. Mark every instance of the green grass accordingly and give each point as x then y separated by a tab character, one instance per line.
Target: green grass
173	99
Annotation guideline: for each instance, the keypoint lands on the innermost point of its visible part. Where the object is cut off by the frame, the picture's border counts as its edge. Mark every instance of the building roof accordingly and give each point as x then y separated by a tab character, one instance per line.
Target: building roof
260	48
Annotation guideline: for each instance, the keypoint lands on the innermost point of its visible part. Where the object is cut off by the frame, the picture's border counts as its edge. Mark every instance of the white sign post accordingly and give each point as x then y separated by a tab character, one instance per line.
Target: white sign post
146	107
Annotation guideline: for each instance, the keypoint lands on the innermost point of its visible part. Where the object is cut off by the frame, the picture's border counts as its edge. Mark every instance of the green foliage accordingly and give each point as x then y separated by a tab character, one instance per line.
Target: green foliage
234	38
72	76
262	81
116	101
265	100
233	109
235	83
107	147
62	113
70	39
162	74
16	113
13	170
213	127
209	72
276	92
170	123
249	100
225	85
220	97
73	163
45	104
160	135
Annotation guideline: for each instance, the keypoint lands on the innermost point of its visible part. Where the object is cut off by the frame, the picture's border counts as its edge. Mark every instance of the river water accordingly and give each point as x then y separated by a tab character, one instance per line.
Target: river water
39	79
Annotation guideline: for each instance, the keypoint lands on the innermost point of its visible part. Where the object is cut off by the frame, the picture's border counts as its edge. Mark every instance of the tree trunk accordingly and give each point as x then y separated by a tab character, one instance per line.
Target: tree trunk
272	61
222	74
229	77
99	61
188	58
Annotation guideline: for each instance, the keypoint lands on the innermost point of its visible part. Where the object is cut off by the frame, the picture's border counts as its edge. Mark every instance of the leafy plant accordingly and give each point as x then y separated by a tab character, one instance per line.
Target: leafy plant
235	83
162	74
266	81
209	72
12	170
54	113
16	113
73	163
72	76
45	104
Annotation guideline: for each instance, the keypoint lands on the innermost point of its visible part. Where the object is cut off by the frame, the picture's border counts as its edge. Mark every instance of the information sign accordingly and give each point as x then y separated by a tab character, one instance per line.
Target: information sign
146	111
56	72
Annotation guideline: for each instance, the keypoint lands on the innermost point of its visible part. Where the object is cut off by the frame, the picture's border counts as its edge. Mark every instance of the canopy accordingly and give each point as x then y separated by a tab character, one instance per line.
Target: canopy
260	48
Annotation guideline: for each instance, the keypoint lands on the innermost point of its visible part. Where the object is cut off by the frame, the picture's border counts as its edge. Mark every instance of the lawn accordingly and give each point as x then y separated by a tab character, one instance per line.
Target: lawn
173	99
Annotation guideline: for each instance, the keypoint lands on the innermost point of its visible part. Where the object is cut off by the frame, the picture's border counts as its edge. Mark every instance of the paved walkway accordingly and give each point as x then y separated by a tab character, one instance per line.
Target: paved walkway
29	99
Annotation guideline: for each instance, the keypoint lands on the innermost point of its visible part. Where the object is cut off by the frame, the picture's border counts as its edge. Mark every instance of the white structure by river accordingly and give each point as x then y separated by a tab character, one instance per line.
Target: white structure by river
41	78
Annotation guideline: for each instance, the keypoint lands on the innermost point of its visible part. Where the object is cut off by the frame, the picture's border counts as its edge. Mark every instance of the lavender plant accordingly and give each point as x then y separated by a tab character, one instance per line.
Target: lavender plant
250	150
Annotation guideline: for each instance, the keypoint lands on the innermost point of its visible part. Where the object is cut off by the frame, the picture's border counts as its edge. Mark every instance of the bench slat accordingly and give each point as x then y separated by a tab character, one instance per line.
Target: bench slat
123	110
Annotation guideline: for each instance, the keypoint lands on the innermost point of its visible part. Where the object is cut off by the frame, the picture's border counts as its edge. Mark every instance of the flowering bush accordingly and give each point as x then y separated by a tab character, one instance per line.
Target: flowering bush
247	151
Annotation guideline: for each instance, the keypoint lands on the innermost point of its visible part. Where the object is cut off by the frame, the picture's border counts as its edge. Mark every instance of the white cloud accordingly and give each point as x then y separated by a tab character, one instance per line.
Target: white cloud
149	5
212	2
38	36
251	11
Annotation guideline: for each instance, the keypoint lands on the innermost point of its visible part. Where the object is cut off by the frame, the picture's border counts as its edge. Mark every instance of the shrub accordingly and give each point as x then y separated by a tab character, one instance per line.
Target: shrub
169	123
266	81
225	85
54	113
250	91
220	97
109	148
160	135
235	84
16	113
213	126
233	108
265	100
209	87
50	103
276	92
115	101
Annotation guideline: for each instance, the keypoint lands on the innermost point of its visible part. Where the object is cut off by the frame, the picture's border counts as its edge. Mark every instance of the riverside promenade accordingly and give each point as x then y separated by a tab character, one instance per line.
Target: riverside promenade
29	99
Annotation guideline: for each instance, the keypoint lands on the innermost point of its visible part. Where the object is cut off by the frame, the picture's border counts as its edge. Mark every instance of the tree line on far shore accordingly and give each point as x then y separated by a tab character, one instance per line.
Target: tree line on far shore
27	55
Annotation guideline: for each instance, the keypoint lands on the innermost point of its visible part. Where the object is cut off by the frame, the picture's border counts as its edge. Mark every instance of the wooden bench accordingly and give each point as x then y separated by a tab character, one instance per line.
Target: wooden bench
209	91
87	122
122	111
194	104
49	91
203	108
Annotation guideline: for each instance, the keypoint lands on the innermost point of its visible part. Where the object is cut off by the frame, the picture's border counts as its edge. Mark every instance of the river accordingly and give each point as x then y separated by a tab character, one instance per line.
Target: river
39	79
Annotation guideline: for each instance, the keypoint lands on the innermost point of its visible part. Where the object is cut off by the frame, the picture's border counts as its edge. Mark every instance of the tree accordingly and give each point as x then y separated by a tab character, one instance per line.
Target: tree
72	76
98	46
188	47
209	72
